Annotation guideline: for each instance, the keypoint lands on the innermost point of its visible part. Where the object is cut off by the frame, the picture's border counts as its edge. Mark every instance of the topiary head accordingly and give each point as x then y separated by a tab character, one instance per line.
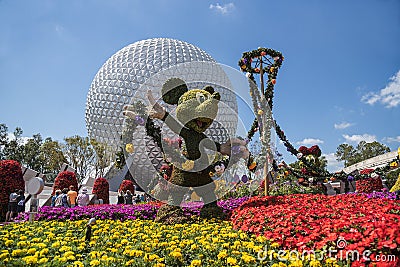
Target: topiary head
197	108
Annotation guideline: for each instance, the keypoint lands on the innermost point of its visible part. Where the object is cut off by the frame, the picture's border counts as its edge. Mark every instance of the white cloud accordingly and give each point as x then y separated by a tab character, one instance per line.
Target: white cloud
333	164
310	141
342	125
224	9
388	96
357	138
392	139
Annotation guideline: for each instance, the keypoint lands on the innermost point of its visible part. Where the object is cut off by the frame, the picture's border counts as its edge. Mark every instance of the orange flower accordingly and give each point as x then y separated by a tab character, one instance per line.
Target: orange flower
252	165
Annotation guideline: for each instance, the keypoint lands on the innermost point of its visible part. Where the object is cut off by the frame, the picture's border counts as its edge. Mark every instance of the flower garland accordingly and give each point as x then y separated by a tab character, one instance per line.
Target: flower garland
272	60
127	133
251	63
260	61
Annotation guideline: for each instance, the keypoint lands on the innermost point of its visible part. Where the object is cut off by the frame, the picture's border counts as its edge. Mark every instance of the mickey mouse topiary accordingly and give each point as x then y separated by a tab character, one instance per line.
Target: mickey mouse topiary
195	112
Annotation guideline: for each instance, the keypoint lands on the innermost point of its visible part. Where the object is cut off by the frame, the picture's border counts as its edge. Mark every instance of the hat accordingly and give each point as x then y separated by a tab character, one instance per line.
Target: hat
58	191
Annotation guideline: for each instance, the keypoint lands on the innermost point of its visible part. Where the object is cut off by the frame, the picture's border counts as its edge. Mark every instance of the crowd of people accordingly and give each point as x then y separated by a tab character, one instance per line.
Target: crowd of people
70	198
129	198
16	204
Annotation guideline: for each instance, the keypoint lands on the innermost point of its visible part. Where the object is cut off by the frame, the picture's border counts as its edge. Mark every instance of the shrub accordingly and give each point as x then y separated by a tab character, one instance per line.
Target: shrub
127	185
10	179
101	189
64	180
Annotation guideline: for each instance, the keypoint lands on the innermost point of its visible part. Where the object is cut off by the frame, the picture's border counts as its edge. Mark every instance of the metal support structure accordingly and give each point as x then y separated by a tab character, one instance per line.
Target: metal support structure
33	208
266	180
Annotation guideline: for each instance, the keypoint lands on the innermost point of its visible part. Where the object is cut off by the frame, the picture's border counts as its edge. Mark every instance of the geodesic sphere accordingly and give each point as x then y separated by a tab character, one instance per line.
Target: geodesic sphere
119	79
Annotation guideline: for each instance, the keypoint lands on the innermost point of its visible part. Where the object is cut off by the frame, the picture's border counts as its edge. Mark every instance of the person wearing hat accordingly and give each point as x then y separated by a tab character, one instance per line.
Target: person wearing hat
83	198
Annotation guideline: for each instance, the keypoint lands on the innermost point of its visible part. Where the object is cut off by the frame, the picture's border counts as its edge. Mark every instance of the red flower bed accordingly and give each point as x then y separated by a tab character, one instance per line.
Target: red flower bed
369	185
127	185
101	189
64	180
316	221
10	179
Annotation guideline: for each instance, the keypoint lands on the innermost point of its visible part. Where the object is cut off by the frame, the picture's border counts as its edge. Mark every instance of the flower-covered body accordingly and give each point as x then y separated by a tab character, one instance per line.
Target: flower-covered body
195	112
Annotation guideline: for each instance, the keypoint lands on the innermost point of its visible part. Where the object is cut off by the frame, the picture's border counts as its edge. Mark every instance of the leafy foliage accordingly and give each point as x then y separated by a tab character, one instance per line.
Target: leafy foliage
352	155
80	154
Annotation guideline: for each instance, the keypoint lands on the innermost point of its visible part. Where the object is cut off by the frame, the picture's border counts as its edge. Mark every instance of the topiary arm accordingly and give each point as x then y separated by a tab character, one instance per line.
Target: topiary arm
175	125
156	111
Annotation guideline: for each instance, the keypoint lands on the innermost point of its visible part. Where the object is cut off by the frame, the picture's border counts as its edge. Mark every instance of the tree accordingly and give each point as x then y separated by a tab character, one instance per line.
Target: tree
52	157
31	155
363	151
13	149
103	157
45	157
3	139
345	152
369	150
80	154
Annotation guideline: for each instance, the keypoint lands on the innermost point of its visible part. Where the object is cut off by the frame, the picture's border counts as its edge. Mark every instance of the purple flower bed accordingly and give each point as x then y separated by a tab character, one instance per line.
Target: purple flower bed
384	194
121	212
193	208
113	212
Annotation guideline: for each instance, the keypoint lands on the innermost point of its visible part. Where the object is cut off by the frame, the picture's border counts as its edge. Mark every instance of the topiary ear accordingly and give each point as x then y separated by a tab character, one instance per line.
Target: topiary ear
209	89
172	90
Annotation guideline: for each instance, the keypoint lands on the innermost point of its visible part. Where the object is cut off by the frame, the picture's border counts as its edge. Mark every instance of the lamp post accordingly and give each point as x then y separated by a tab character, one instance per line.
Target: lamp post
35	187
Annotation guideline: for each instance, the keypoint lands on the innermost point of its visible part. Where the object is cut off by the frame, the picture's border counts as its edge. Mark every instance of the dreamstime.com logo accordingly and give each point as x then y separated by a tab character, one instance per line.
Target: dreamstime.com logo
338	252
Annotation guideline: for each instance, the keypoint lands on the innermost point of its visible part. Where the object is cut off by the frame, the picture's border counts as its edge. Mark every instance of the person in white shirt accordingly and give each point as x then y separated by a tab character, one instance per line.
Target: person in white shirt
83	198
12	205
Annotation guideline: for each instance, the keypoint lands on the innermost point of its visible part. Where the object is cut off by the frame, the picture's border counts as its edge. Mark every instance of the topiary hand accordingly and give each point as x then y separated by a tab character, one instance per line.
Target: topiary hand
156	110
235	146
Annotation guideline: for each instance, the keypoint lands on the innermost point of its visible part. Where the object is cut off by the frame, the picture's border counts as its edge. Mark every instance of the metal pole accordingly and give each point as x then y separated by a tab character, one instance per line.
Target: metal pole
266	180
33	208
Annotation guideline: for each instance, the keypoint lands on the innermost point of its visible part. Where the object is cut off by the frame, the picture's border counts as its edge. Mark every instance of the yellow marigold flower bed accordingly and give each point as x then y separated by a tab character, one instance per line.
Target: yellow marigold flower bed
135	243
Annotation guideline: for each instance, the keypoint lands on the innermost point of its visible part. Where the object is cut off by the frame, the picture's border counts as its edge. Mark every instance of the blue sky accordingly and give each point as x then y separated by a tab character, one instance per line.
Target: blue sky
340	81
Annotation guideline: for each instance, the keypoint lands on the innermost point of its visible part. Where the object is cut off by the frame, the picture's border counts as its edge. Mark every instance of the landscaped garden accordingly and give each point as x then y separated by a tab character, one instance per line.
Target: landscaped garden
272	214
324	228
